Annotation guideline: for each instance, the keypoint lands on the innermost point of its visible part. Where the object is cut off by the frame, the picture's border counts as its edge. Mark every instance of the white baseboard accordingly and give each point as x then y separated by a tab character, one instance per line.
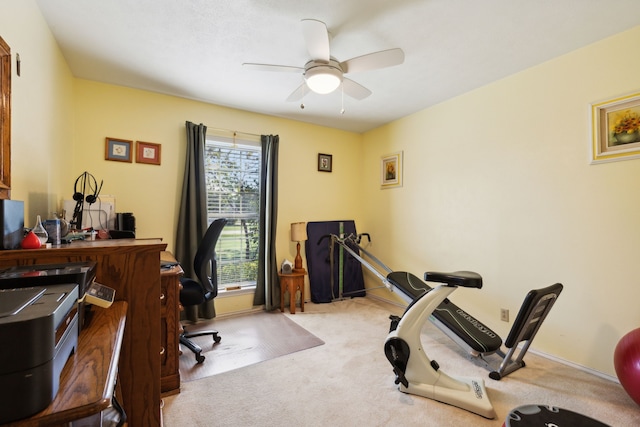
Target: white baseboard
575	365
379	298
254	309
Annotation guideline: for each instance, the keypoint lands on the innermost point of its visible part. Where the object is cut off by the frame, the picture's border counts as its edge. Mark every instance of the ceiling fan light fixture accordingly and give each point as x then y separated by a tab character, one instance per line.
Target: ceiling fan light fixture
323	79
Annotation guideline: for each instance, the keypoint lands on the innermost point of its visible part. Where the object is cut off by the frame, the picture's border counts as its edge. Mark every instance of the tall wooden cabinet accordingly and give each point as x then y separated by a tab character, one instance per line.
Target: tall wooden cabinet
132	268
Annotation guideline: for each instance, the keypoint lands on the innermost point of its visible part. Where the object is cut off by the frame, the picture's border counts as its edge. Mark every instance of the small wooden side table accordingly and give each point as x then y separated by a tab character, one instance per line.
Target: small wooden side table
292	282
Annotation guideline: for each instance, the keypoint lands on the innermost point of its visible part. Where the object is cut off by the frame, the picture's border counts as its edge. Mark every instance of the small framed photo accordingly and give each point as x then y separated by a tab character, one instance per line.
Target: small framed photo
325	162
615	129
148	152
391	170
118	150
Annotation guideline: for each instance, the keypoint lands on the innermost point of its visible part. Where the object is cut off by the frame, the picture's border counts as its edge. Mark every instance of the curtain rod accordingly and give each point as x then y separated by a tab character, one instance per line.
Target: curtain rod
233	132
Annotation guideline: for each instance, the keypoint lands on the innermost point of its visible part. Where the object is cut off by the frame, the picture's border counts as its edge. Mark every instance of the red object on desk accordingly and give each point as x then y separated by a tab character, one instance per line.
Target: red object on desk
31	241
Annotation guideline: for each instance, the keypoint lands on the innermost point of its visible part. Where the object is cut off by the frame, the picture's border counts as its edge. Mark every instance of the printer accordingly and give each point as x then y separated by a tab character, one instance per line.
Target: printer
38	332
82	273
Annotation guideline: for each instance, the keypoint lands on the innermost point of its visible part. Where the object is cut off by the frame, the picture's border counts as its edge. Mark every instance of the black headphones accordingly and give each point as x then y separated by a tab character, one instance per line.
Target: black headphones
86	179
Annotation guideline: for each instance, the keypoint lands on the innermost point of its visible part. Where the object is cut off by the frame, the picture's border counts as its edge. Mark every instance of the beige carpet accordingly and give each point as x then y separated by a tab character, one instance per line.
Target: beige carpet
349	382
246	339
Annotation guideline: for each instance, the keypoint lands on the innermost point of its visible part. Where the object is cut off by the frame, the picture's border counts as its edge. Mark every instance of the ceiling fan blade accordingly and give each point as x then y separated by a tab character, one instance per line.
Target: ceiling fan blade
354	90
372	61
299	93
270	67
316	37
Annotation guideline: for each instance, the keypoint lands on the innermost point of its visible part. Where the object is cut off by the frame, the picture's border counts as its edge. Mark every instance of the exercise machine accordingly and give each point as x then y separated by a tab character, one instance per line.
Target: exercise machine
465	330
477	339
415	372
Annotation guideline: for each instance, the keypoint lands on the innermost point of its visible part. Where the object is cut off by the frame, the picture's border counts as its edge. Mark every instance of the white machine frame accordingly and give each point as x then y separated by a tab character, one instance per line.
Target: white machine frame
417	374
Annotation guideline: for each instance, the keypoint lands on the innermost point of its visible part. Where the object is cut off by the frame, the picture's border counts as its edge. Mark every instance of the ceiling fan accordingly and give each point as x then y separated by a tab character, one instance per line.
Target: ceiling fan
323	73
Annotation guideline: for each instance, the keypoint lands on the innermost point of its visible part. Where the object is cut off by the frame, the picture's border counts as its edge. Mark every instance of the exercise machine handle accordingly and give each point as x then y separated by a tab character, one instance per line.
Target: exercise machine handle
364	234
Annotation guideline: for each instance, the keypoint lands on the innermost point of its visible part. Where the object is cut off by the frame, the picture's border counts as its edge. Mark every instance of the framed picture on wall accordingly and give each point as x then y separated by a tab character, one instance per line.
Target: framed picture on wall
148	152
325	162
391	170
615	129
118	150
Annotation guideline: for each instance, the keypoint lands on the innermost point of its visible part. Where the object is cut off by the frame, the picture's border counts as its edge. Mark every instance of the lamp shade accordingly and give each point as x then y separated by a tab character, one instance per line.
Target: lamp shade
298	232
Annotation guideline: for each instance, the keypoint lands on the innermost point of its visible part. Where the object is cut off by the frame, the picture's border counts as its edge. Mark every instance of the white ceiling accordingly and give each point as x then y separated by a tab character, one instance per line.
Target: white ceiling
195	48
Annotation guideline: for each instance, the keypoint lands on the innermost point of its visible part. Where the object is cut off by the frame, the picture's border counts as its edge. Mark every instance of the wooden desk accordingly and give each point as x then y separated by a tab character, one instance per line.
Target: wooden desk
132	268
291	282
170	327
89	376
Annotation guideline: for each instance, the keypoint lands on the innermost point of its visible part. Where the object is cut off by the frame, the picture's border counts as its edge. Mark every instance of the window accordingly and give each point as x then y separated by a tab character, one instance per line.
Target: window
232	172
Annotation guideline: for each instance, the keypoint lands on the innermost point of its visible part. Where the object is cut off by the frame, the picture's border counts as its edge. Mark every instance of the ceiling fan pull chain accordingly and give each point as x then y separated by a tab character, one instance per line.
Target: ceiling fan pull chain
304	93
342	87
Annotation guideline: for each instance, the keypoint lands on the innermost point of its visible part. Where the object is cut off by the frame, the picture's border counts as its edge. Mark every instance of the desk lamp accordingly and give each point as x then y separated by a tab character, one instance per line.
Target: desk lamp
298	234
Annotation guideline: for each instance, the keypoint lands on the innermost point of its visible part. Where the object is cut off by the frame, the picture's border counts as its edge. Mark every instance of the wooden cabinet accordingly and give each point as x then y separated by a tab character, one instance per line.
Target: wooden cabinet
170	326
132	268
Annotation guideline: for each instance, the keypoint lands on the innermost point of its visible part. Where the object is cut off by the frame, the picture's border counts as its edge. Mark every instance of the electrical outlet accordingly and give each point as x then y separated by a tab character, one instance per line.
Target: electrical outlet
504	314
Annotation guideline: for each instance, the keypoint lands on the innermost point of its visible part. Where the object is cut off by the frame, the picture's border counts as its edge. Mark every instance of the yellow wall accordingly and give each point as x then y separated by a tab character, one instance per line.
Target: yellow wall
42	111
498	181
153	193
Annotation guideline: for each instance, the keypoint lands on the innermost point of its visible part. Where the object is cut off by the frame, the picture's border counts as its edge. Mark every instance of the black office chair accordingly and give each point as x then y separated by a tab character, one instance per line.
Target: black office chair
204	289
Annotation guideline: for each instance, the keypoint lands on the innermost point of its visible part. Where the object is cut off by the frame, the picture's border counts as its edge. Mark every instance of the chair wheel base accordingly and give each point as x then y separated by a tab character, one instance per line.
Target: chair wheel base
195	348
